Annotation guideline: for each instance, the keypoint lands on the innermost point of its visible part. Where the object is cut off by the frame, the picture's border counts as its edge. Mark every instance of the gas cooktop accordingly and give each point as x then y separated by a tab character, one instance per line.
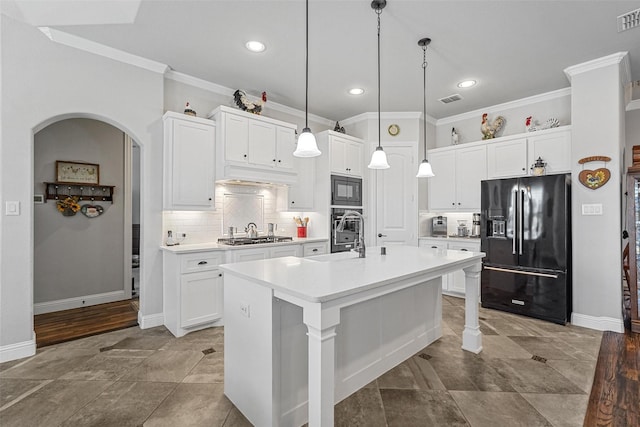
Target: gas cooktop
237	241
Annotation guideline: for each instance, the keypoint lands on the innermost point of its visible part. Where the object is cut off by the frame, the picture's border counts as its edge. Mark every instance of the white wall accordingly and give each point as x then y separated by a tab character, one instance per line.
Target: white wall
555	104
43	82
598	129
77	256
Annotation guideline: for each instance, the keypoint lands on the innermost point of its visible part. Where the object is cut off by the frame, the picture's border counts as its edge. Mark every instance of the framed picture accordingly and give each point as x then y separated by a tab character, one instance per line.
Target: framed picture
77	173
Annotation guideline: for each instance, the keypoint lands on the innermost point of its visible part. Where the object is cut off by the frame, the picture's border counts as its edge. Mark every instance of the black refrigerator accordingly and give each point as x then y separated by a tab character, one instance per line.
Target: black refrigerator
526	233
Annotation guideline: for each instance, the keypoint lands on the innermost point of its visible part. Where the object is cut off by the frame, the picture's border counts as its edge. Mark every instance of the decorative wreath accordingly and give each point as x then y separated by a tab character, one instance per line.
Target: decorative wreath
241	100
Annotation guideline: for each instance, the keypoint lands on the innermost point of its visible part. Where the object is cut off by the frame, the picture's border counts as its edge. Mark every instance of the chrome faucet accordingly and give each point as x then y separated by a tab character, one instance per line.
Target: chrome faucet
359	244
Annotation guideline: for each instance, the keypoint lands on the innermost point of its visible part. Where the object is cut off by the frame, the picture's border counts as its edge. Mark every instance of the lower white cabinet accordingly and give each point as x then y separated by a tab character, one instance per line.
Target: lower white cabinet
311	249
193	285
452	283
192	291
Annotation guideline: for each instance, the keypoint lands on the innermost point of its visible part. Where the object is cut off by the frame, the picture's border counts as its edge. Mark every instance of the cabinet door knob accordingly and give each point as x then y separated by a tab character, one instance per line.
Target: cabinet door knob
458	203
279	161
245	156
453	204
219	274
203	263
292	202
209	198
382	235
274	160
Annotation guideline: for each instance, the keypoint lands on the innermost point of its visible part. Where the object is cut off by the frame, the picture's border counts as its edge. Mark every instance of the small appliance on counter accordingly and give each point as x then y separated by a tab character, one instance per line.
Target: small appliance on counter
439	226
463	231
475	228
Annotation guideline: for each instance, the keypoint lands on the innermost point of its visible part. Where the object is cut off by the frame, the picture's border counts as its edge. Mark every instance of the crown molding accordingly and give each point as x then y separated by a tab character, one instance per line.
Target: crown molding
614	59
507	105
80	43
393	115
223	90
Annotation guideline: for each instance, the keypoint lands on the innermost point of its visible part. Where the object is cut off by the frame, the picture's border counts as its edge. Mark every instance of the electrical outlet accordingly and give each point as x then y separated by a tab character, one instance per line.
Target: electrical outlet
245	309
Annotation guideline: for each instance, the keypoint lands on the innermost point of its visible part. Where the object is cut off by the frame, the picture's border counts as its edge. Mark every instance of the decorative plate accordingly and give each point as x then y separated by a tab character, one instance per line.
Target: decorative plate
594	179
92	211
393	130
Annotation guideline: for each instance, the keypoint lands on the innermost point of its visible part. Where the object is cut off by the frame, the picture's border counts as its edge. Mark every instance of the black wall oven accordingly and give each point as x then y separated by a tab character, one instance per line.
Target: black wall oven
342	241
346	191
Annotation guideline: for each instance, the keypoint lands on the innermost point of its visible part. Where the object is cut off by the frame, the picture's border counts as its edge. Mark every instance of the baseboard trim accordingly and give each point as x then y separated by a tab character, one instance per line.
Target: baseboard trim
597	323
150	321
76	302
18	350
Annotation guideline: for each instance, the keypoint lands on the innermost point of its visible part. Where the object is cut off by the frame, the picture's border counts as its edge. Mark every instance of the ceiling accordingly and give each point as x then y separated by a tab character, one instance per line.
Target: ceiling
514	49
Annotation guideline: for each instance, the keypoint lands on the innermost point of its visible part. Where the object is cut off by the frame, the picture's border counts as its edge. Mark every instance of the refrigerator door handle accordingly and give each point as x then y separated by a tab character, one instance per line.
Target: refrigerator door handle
514	219
521	228
527	273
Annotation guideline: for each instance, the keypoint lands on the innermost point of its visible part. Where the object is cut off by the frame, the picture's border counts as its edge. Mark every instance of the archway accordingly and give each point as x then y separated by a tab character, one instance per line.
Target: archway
85	258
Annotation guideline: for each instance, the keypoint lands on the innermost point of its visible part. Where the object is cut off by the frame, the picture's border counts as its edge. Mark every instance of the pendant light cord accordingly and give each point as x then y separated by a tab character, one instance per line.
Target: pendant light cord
424	103
379	12
306	84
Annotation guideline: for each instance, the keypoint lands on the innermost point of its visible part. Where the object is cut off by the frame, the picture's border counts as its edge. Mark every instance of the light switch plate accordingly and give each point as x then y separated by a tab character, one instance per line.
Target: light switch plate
12	208
592	209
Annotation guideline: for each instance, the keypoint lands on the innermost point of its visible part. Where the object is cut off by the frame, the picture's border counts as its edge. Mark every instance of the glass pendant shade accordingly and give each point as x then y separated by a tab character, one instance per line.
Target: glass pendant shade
425	171
379	159
307	146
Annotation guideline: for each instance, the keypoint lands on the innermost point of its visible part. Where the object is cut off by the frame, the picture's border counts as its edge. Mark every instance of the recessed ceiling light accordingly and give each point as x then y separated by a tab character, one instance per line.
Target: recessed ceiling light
356	91
467	83
255	46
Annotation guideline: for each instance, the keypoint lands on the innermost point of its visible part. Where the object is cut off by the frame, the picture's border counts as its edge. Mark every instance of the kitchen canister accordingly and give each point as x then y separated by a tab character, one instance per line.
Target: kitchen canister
302	231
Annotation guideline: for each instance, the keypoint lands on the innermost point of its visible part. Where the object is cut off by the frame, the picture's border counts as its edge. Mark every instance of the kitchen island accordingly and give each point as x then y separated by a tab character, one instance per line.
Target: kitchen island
301	334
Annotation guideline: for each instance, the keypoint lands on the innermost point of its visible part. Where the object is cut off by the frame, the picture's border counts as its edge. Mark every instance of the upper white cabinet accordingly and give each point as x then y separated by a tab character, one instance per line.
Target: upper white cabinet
189	161
346	154
507	158
253	148
514	156
554	147
458	172
299	196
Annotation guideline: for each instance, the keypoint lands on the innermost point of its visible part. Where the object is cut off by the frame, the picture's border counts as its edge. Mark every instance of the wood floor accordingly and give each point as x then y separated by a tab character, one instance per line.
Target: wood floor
67	325
615	394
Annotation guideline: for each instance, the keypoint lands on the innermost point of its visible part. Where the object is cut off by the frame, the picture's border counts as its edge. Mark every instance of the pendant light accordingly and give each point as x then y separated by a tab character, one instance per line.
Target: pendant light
424	171
378	158
307	146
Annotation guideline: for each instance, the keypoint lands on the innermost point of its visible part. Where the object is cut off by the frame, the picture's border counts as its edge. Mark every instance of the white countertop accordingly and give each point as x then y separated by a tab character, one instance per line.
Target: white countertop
327	277
214	246
451	238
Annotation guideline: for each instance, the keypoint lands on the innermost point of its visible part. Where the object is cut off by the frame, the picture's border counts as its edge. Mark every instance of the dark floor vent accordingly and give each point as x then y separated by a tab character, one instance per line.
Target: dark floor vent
539	359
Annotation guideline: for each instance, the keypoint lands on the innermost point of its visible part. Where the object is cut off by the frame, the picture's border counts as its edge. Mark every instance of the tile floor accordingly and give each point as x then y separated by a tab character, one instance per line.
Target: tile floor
531	373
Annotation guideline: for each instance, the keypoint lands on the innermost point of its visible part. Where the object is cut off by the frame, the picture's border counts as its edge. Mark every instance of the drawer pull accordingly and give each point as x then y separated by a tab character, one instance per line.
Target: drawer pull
434	247
315	250
203	263
517	302
464	249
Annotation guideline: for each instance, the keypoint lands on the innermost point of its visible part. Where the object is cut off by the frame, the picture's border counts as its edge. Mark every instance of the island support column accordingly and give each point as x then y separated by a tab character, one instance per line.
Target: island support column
321	325
471	336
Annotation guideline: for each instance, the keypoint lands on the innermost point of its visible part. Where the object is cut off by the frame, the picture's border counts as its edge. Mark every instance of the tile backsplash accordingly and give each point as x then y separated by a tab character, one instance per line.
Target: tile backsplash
236	205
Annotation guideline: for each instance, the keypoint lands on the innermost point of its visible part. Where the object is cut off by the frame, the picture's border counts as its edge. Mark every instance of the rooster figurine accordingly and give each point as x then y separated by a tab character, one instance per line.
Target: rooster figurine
489	130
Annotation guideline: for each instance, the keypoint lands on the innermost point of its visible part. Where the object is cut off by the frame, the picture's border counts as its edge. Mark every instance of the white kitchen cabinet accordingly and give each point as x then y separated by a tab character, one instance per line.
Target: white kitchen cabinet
553	146
192	291
346	154
316	248
452	283
189	162
458	173
253	148
507	158
456	282
264	252
299	196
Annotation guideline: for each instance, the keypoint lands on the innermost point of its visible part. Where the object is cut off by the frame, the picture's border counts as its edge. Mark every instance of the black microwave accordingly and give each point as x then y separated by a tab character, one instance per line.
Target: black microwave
346	191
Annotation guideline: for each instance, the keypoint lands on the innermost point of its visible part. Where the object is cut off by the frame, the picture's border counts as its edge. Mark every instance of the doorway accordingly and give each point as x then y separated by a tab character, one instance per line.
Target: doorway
83	258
